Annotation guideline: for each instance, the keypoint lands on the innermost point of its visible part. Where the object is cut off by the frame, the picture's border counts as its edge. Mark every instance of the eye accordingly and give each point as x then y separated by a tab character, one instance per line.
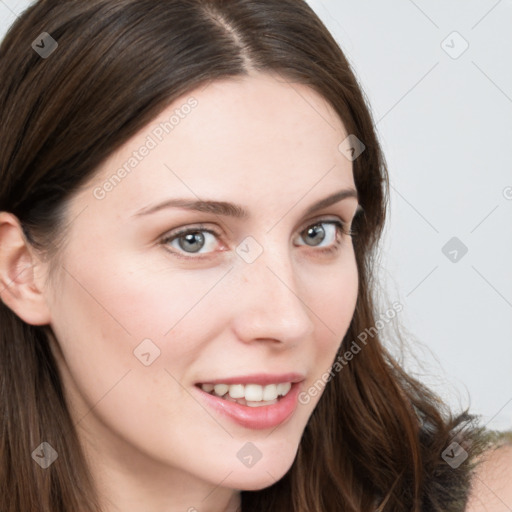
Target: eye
193	240
318	234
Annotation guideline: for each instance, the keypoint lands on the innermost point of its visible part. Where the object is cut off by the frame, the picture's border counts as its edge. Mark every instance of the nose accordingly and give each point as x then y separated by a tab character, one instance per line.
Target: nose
269	304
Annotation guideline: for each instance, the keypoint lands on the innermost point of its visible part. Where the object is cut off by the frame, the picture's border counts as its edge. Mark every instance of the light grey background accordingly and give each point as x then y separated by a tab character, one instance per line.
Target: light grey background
444	118
446	127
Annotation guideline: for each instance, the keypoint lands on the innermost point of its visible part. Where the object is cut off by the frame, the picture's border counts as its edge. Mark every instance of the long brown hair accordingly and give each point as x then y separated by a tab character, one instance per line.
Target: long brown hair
376	437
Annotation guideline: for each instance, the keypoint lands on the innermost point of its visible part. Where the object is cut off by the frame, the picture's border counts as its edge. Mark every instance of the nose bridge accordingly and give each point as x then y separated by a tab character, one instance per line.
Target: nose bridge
269	300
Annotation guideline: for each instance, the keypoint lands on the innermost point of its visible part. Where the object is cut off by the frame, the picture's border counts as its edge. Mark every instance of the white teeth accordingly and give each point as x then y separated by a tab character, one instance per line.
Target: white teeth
236	391
261	404
270	392
254	393
282	389
221	389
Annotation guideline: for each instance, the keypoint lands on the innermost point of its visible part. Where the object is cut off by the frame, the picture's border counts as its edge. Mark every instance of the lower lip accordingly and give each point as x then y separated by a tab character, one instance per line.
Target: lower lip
266	416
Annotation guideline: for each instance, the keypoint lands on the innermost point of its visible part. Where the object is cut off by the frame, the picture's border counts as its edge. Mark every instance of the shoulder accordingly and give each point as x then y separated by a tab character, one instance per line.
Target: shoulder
491	485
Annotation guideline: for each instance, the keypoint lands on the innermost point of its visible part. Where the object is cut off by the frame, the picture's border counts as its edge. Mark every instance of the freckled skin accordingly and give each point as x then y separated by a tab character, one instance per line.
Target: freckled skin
254	141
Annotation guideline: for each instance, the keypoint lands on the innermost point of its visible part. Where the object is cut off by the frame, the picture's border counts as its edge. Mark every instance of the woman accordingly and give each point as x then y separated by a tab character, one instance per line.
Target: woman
192	194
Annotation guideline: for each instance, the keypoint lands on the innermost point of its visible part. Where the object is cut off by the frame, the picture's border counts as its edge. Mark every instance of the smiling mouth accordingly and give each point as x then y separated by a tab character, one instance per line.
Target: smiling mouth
251	395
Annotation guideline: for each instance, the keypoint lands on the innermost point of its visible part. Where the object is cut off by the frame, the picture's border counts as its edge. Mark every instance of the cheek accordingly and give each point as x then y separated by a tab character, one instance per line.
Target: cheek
333	307
109	320
334	298
100	320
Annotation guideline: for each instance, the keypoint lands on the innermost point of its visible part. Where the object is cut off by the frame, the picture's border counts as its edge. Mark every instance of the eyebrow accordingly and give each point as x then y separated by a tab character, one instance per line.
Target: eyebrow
235	210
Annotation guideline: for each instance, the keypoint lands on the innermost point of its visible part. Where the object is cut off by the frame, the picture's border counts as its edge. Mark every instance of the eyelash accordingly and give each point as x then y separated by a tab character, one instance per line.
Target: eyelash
341	228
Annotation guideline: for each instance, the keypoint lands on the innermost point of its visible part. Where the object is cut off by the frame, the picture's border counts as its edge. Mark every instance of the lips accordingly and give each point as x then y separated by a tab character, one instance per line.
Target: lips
255	401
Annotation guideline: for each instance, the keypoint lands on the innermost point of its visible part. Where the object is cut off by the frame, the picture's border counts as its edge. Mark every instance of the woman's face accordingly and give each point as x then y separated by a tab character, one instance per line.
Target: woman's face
144	316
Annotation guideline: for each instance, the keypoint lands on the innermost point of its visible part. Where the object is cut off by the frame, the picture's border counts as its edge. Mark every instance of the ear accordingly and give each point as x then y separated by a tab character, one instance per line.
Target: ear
21	289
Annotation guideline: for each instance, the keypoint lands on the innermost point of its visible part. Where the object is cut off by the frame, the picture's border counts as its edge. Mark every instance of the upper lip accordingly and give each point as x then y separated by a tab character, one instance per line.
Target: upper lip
260	378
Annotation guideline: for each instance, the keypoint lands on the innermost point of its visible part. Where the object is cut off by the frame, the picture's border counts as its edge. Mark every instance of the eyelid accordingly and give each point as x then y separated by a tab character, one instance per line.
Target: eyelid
322	218
175	232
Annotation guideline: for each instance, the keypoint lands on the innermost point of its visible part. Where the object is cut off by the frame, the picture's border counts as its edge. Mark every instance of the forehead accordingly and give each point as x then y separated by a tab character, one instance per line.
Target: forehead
248	137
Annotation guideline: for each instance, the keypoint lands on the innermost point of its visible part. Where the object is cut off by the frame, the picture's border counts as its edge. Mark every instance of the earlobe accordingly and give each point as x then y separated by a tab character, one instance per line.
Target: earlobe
19	289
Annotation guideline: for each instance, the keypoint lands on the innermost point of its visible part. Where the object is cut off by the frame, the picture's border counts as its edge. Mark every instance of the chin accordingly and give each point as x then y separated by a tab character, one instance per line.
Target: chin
261	475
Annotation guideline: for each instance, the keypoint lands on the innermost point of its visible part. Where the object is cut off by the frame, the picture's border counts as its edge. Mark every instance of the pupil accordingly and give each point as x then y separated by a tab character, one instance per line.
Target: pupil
190	240
315	231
